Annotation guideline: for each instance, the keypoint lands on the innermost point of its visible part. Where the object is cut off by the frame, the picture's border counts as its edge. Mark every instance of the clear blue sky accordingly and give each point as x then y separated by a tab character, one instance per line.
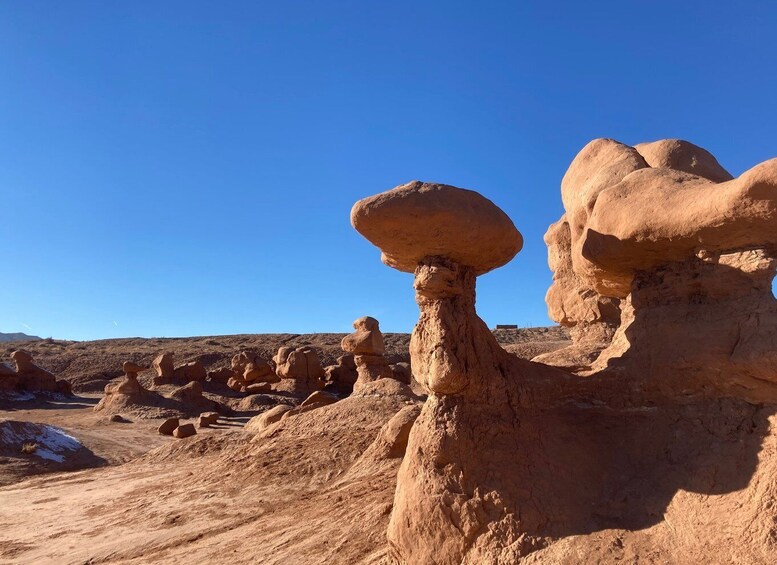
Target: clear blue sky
187	168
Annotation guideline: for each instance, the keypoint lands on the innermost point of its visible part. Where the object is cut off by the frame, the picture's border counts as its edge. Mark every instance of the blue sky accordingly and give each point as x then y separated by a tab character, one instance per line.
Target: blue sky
187	168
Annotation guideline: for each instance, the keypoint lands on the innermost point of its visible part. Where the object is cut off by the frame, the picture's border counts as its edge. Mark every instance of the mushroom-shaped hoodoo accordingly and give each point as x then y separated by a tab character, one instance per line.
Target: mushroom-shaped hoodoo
418	220
132	368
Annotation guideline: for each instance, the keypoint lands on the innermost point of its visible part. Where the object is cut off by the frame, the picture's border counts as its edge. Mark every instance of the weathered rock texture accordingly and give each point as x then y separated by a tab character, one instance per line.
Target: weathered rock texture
127	392
419	220
129	396
366	346
511	460
687	250
299	369
248	369
591	317
341	377
164	366
29	376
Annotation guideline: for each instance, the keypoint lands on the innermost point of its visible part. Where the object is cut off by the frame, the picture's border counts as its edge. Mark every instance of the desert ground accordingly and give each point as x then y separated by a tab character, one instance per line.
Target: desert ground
131	495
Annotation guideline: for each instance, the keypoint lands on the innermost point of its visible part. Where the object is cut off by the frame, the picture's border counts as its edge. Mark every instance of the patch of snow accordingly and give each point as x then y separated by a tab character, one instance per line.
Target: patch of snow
53	443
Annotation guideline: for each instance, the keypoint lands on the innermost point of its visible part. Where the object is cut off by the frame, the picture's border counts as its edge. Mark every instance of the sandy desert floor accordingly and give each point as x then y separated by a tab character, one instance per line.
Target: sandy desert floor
317	489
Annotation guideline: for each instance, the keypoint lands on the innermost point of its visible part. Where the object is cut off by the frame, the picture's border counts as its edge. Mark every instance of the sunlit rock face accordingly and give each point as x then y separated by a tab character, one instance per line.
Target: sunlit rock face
513	460
686	249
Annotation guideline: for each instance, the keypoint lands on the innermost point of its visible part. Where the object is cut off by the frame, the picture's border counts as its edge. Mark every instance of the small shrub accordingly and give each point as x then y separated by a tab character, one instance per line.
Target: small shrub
29	447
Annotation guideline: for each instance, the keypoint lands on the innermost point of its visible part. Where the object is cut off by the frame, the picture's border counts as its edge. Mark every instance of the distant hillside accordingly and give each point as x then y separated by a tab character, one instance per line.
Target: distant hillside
17	337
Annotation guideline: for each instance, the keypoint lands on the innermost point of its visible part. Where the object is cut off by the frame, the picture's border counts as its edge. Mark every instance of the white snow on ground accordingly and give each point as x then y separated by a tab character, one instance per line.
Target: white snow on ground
53	443
25	396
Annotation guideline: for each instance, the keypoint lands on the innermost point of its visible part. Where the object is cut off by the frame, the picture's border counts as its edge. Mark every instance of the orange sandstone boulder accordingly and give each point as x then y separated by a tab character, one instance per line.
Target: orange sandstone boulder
193	371
168	427
30	376
418	220
184	431
299	369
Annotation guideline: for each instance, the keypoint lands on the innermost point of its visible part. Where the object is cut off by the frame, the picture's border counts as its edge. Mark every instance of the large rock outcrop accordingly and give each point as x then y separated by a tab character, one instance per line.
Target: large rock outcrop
687	251
509	457
29	376
299	369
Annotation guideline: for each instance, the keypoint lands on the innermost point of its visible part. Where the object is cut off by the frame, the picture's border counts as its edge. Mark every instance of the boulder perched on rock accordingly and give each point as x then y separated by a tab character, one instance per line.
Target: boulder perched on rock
129	396
299	369
419	220
127	392
689	251
366	346
659	428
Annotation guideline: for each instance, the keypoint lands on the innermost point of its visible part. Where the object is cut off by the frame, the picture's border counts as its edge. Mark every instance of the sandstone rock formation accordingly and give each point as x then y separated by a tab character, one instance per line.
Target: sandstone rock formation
299	369
665	230
249	370
319	398
126	392
193	371
591	317
29	377
191	395
392	439
454	355
164	366
262	421
400	218
341	377
167	427
221	375
508	456
402	372
184	431
8	378
366	345
129	396
207	419
168	373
